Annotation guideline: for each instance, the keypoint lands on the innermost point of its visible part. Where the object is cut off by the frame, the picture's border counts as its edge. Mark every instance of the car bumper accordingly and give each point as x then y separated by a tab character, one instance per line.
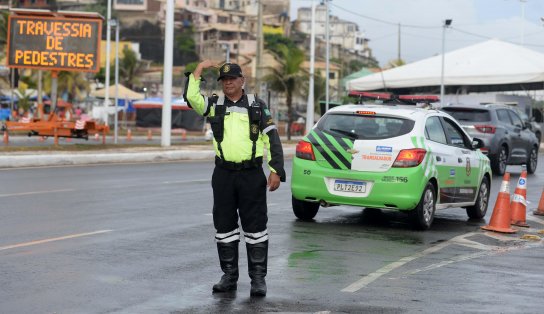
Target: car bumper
397	188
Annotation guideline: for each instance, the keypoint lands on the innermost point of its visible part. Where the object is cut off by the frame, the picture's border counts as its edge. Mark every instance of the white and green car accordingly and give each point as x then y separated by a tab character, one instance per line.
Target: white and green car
393	157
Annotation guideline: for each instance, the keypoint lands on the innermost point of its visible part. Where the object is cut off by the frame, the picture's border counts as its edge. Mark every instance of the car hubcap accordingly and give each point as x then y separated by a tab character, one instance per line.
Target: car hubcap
428	205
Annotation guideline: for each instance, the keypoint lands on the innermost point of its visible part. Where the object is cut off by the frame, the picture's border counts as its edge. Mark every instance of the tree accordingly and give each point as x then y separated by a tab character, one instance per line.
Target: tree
287	77
72	85
130	68
185	46
3	37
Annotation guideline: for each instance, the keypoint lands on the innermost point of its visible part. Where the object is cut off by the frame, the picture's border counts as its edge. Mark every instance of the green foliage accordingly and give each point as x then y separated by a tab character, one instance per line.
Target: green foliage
24	99
185	45
274	42
130	69
4	15
288	77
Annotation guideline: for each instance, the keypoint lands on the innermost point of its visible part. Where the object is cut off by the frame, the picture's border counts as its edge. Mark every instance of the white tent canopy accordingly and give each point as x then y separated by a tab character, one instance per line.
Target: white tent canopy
123	93
489	66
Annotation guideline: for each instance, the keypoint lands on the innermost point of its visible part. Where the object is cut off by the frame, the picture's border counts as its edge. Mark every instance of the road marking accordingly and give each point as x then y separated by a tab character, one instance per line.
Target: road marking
363	282
72	236
187	181
491	250
36	192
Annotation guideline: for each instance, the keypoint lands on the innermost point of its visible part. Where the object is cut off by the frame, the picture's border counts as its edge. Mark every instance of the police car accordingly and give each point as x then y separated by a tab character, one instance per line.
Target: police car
390	156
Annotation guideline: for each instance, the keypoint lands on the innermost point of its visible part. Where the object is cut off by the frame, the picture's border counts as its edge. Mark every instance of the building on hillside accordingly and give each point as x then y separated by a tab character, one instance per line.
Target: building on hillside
131	12
345	35
122	45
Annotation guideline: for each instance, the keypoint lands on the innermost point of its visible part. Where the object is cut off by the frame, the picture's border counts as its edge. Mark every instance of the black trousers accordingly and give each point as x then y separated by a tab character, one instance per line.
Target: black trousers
239	193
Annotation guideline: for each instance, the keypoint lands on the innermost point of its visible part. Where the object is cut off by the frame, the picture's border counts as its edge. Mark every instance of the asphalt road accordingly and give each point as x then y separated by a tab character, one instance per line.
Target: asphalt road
138	238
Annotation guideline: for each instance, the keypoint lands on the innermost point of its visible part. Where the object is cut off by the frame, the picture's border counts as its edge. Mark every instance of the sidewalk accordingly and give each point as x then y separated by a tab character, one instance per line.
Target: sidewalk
121	155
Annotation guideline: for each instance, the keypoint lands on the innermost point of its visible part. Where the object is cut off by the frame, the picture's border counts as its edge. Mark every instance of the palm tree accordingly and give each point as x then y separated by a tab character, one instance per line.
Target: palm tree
3	37
287	77
72	84
130	68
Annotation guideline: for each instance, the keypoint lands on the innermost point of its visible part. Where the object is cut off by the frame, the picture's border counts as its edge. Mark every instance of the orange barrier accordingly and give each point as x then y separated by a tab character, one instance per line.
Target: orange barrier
540	210
500	219
129	135
96	137
518	206
6	137
149	135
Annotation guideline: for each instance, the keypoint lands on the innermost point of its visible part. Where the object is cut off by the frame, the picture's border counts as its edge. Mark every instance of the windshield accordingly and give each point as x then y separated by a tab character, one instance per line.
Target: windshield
365	126
468	114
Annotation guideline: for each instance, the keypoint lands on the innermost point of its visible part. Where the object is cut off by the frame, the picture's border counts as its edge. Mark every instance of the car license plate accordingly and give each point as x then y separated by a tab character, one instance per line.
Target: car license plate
349	186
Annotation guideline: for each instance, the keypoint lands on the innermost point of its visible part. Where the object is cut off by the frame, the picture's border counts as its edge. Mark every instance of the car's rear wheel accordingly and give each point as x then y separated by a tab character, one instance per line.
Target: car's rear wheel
498	163
423	214
532	160
304	210
478	210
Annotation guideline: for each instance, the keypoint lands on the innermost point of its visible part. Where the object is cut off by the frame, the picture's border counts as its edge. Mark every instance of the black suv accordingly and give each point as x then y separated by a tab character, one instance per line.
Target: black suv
507	139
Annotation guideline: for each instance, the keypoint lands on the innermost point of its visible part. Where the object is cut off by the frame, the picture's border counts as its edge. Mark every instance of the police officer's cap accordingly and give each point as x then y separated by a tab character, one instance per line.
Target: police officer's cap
230	70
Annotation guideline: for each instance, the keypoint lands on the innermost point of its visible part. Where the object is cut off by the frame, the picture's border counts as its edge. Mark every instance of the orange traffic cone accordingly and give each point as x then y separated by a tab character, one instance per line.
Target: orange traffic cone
183	134
6	137
96	137
129	135
540	210
518	206
149	135
500	219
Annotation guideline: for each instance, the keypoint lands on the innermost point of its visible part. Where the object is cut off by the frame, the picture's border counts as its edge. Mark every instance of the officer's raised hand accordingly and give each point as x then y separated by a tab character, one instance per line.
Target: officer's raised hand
273	181
208	63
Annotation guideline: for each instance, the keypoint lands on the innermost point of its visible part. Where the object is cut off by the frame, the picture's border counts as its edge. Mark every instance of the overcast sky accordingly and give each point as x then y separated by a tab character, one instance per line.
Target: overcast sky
474	21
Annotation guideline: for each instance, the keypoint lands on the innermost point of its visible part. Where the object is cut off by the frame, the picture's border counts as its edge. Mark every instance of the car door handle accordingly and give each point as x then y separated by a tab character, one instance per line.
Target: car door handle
438	158
459	160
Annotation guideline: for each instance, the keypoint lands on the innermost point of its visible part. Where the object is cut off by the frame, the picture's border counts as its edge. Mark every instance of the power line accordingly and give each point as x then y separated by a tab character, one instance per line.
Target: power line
384	21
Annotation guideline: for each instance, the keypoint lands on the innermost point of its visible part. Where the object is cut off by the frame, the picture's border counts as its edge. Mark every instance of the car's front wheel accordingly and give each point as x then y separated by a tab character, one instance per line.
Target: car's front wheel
304	210
478	210
498	163
423	214
532	160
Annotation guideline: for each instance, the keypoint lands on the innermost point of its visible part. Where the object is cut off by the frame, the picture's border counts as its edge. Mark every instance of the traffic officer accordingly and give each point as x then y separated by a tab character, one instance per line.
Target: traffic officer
242	127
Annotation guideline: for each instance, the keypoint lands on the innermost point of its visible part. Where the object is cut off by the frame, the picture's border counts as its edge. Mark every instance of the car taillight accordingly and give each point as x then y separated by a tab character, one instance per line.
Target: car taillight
486	128
305	151
409	158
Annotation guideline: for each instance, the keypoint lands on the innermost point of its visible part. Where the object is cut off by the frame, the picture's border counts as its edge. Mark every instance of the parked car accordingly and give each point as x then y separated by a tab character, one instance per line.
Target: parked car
531	123
412	159
507	139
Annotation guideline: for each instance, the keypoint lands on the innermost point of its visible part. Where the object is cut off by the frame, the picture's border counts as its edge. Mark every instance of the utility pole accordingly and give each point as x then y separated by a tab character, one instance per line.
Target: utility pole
310	106
116	116
166	127
327	57
259	54
108	47
398	57
447	23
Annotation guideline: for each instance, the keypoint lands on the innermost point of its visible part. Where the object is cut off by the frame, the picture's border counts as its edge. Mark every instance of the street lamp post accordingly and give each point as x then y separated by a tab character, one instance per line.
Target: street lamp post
115	23
447	23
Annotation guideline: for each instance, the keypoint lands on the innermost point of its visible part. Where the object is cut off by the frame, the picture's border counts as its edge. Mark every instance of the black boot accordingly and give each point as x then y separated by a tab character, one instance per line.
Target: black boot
257	257
228	259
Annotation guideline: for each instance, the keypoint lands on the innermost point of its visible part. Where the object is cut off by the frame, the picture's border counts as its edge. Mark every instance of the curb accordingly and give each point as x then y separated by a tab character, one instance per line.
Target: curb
63	159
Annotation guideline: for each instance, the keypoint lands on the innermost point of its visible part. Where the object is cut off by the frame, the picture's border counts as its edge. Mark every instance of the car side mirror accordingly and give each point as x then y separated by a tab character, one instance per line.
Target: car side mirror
527	125
477	143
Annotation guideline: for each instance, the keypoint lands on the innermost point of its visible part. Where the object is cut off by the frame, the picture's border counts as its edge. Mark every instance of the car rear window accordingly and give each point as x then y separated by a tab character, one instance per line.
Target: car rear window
365	126
469	114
